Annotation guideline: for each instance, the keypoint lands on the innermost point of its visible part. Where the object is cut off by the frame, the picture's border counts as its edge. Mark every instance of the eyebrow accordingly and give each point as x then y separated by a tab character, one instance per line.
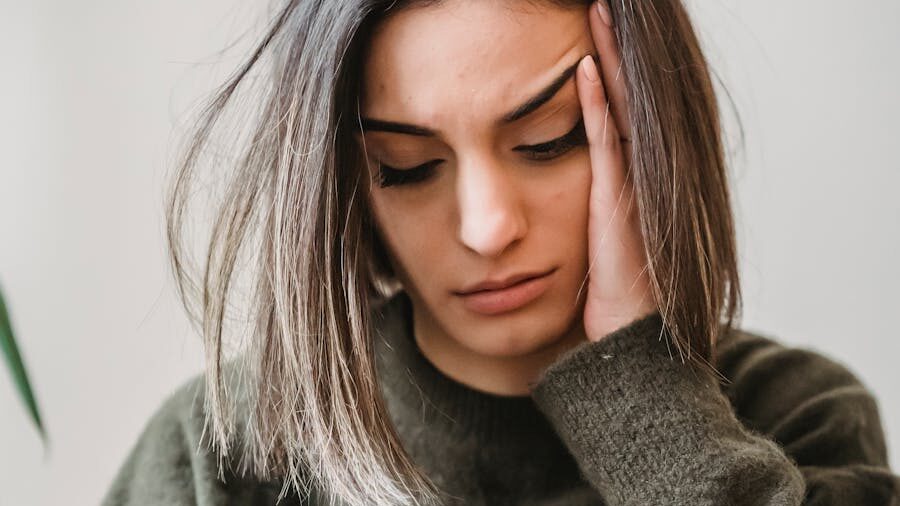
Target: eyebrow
530	105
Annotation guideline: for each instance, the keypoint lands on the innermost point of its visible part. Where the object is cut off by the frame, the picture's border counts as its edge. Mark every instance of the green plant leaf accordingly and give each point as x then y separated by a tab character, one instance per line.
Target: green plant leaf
17	368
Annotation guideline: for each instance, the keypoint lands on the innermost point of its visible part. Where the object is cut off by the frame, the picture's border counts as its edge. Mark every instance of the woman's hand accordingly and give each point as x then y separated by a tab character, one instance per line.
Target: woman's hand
618	285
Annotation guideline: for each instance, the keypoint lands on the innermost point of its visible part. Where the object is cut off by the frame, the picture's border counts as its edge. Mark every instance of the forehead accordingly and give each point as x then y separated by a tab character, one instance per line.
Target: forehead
486	56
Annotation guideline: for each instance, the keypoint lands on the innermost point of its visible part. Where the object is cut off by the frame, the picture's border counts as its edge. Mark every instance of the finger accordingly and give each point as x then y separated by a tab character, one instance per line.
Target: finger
607	163
610	67
614	243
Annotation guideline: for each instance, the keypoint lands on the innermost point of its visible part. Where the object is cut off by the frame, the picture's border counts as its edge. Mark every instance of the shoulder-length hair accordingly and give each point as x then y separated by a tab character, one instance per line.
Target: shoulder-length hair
293	221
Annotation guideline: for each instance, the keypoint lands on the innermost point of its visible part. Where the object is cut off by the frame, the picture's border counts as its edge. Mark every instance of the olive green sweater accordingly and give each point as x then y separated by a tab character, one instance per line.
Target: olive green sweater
614	422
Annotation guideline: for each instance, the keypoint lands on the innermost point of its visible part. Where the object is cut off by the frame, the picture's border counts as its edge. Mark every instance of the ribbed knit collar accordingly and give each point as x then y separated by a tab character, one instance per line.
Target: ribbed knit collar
408	375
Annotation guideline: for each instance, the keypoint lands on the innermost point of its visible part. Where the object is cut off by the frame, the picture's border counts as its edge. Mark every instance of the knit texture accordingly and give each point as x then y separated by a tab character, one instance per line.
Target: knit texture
619	421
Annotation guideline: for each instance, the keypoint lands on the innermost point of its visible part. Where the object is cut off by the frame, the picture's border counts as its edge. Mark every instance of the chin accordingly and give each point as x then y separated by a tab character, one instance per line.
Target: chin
525	334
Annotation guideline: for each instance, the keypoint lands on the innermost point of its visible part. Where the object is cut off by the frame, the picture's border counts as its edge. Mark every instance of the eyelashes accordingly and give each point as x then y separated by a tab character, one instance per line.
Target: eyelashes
390	176
545	151
553	149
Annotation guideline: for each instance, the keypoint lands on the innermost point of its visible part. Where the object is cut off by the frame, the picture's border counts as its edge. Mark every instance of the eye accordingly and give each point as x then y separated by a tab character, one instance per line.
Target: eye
394	176
557	147
390	176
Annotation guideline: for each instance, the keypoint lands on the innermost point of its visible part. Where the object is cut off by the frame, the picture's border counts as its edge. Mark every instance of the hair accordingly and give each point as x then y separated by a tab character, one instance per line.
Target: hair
293	207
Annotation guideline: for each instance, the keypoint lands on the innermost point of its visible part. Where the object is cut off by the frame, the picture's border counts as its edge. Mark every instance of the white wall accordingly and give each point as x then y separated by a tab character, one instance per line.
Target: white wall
90	95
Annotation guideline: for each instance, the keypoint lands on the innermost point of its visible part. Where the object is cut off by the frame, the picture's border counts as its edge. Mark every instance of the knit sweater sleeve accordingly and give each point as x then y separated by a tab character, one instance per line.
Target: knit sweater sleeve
646	428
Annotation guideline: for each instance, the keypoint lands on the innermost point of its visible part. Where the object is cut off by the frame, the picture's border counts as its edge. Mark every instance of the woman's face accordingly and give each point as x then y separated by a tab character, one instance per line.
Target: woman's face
490	203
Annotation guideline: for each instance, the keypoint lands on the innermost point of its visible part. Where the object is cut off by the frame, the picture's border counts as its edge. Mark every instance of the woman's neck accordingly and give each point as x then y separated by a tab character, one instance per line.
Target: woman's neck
506	376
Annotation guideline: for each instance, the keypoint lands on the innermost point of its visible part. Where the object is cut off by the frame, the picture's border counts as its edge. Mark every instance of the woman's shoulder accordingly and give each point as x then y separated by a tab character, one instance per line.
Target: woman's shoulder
172	460
793	393
183	409
181	406
743	352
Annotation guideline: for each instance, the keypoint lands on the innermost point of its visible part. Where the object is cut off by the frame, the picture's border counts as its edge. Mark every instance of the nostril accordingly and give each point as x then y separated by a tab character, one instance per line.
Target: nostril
490	237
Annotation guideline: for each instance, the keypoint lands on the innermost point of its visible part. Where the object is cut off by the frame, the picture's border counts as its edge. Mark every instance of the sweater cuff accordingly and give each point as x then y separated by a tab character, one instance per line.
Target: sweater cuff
643	425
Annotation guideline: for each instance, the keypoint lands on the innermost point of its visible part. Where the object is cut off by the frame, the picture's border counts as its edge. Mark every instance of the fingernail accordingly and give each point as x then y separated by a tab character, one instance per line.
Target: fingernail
604	12
590	69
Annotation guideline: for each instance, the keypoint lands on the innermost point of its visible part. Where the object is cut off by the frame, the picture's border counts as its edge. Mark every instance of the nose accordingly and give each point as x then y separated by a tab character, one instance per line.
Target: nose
490	208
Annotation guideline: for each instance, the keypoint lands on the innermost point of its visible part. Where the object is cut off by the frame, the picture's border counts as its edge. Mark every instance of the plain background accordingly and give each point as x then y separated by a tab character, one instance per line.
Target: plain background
92	96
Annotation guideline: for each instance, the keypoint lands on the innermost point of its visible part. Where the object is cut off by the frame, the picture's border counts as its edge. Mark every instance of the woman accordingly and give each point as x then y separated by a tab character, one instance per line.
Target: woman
495	264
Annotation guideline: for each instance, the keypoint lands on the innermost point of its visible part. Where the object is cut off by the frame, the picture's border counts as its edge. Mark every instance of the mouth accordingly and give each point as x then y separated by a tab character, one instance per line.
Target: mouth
511	295
497	284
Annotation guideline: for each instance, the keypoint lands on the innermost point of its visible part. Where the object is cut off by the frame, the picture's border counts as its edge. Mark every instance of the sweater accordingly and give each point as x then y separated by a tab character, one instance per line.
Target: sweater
618	421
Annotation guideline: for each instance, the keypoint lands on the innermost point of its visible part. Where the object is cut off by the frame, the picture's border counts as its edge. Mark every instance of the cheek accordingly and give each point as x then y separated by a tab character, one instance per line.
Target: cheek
564	224
409	233
565	200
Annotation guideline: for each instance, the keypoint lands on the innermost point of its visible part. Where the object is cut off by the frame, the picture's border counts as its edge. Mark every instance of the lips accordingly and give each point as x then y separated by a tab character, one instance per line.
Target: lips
505	300
499	284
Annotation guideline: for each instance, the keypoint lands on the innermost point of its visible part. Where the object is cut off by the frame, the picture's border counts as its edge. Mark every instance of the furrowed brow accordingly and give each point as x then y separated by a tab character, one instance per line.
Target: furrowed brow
542	96
529	106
